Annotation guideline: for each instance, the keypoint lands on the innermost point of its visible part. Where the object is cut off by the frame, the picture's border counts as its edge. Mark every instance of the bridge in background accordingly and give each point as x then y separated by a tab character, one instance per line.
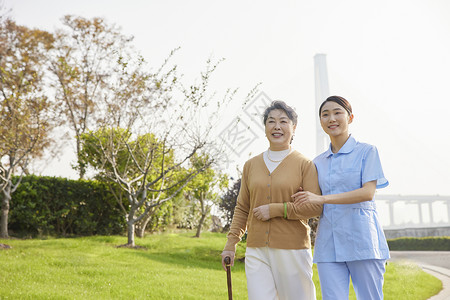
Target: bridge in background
414	215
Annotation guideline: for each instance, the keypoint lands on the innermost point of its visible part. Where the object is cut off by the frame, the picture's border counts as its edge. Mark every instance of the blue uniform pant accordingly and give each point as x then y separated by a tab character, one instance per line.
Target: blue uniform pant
367	278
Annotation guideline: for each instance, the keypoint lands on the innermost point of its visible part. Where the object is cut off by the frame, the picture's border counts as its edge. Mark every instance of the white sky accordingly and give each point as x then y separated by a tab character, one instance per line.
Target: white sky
390	59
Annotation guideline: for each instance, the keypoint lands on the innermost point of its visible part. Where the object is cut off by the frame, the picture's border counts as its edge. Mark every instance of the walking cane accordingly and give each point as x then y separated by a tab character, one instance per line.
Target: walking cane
227	261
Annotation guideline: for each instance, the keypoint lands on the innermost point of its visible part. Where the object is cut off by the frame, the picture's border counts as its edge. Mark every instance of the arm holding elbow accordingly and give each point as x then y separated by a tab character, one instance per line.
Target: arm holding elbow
365	193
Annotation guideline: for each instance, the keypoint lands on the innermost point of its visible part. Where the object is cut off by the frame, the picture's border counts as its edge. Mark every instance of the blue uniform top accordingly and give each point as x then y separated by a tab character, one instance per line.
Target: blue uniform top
349	232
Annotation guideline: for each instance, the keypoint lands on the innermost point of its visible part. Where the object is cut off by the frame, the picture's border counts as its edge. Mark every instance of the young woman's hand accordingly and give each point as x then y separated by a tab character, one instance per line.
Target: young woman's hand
262	212
301	198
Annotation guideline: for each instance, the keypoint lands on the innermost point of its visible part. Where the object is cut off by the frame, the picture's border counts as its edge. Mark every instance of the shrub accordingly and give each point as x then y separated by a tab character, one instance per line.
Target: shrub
59	206
420	244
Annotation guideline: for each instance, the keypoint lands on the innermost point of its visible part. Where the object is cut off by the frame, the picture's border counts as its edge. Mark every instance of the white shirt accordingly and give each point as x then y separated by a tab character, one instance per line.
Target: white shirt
276	157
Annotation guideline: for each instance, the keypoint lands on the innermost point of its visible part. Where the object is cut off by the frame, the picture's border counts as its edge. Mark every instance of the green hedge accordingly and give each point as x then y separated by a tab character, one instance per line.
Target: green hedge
63	207
420	244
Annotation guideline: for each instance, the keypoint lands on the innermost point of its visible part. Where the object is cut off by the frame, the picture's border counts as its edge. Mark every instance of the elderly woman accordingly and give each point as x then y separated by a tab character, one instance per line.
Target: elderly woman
278	261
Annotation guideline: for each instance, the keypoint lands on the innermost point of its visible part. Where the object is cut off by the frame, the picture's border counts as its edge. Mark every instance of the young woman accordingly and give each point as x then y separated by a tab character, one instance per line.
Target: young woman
278	260
350	241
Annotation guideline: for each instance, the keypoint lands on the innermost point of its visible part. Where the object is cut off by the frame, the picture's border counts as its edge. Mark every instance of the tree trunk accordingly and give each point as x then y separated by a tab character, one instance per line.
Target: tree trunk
202	219
130	233
81	167
200	224
5	212
140	231
140	228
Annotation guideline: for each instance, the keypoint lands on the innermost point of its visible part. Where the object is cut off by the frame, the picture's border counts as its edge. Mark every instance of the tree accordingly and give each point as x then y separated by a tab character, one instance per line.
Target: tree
149	134
205	189
25	110
313	224
84	58
228	203
131	165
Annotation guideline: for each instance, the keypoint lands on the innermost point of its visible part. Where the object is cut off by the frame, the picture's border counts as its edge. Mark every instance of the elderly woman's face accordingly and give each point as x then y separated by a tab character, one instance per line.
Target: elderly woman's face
279	130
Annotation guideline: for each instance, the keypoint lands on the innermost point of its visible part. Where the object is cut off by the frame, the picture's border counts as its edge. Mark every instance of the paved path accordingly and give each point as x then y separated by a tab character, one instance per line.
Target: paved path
436	263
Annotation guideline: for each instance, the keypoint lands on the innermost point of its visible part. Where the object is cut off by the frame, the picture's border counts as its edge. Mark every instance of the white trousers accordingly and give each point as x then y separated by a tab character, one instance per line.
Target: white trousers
279	274
367	278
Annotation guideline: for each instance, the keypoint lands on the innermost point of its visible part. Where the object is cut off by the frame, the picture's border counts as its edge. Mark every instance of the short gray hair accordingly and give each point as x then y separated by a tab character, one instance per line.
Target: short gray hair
278	104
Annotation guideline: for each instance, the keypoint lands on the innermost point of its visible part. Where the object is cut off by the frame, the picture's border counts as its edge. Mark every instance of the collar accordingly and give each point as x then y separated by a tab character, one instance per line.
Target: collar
348	147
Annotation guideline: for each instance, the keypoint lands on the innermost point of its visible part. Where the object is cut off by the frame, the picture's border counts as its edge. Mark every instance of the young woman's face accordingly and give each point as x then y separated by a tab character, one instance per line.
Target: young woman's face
334	119
279	130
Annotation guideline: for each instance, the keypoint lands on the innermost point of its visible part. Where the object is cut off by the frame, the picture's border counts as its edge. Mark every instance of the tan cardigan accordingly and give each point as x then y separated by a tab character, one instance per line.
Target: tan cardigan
259	187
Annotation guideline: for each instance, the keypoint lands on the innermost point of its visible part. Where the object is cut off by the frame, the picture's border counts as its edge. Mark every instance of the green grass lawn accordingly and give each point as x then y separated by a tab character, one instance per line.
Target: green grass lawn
172	266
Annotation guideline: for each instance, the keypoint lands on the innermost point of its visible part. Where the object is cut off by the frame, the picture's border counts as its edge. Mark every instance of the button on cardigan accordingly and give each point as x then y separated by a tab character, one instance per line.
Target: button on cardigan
259	187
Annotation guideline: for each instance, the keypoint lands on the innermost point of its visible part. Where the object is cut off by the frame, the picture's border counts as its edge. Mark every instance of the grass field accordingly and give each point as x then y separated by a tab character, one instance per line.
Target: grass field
170	266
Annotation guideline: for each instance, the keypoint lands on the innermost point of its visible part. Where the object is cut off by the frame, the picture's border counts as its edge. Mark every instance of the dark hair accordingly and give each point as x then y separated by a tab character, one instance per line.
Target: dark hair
339	100
290	112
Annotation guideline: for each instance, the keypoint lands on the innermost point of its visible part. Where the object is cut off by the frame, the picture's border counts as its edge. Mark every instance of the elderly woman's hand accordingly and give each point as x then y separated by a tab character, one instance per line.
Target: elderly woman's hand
262	212
226	253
